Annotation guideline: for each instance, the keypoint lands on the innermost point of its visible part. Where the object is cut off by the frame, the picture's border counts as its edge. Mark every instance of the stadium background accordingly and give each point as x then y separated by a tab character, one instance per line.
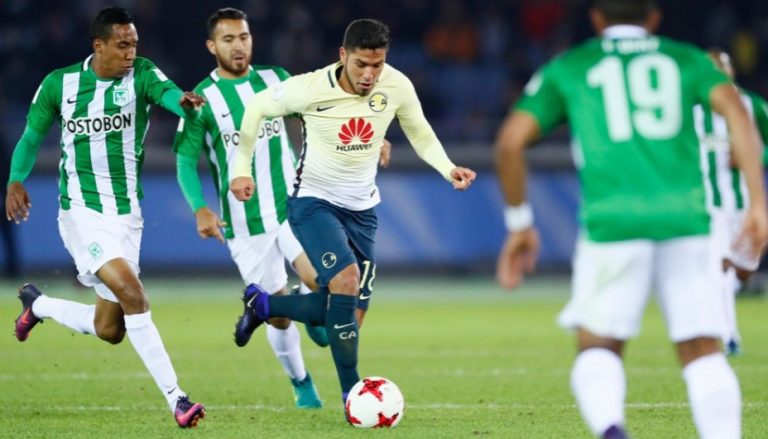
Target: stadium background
468	60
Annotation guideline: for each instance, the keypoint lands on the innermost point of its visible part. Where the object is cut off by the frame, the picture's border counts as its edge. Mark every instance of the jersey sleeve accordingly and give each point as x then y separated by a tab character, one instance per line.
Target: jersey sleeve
287	97
543	99
154	82
418	131
707	75
189	138
46	104
760	108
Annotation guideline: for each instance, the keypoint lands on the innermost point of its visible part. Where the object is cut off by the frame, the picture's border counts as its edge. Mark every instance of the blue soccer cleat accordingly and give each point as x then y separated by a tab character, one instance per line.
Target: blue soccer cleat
316	333
305	393
254	300
615	432
27	320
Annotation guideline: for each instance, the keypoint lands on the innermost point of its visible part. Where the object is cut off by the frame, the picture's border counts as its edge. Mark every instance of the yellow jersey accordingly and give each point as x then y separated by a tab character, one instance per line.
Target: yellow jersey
343	133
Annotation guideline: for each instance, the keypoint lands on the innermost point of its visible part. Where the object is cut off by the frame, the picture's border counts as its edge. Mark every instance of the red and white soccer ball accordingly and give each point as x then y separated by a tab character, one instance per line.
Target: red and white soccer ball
374	402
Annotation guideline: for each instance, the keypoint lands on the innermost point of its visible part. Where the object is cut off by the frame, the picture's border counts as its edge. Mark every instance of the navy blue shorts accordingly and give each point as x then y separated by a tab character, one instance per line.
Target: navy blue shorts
333	238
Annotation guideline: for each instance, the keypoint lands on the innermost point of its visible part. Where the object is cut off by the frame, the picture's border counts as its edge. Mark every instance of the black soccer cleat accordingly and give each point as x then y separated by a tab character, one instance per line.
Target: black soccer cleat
27	320
253	295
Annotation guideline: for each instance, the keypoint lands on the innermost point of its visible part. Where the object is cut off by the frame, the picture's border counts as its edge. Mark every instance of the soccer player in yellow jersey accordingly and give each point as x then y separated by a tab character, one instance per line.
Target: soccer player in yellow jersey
346	108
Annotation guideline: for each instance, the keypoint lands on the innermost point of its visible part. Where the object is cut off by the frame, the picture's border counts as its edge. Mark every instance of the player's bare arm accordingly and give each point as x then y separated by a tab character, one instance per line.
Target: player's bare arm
17	203
209	224
747	152
385	154
521	247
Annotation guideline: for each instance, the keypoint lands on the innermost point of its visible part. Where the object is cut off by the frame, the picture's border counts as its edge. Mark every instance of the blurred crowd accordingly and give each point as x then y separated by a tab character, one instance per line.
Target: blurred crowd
469	60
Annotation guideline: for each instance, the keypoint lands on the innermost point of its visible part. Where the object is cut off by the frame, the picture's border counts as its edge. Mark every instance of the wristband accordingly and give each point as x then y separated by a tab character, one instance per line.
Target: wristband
518	217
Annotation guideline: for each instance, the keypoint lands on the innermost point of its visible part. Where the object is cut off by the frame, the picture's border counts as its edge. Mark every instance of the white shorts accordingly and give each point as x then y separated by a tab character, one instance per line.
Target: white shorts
727	225
612	283
93	239
261	258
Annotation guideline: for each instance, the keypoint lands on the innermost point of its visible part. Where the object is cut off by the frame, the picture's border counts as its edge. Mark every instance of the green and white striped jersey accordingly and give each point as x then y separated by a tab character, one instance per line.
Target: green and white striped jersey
629	99
216	134
103	123
726	187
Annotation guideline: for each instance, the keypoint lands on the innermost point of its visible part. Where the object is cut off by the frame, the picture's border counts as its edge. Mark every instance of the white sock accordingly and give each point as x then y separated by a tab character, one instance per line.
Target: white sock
713	391
598	382
73	315
146	340
730	288
304	289
286	343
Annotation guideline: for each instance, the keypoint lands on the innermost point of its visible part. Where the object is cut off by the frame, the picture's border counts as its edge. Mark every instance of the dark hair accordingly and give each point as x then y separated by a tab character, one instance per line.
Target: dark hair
625	11
101	26
224	14
366	33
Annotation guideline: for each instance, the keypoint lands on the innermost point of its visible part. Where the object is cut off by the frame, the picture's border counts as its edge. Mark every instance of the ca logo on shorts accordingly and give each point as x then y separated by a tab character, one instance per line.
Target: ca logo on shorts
328	259
95	250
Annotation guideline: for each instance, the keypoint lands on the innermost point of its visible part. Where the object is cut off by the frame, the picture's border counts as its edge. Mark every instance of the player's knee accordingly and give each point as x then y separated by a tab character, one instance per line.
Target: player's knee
112	334
346	281
132	297
280	322
695	348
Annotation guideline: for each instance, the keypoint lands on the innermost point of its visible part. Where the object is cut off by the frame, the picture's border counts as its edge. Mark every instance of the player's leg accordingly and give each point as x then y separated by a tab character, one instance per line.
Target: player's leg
690	294
317	226
293	252
361	230
611	285
260	262
730	287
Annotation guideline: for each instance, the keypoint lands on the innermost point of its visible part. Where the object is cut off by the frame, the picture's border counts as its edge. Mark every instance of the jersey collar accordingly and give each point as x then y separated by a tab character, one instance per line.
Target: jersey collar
624	31
216	77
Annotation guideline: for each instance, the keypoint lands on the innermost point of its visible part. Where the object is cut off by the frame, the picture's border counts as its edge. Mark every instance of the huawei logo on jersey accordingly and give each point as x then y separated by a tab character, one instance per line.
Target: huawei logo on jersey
356	129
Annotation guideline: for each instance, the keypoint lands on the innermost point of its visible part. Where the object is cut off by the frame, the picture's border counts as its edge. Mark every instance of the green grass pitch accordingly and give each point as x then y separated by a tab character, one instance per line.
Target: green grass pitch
471	360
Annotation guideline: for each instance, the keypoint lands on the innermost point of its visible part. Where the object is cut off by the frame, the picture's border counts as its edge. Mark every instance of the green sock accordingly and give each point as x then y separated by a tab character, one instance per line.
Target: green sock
305	308
341	326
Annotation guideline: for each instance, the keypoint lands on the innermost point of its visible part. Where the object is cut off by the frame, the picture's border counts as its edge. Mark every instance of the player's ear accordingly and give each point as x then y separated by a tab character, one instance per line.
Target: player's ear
598	20
653	20
211	46
342	54
97	44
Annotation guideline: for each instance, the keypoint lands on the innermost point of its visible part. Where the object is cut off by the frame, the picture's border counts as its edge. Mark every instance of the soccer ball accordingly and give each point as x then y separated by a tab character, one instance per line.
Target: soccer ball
374	402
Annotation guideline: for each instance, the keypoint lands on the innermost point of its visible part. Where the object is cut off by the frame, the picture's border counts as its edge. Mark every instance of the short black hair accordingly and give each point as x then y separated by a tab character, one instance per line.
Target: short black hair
224	14
625	11
366	33
101	26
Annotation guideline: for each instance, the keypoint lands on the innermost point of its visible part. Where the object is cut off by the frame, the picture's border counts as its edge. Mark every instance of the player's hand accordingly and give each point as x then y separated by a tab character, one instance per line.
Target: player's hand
17	203
518	256
385	154
754	232
242	188
190	100
462	178
209	224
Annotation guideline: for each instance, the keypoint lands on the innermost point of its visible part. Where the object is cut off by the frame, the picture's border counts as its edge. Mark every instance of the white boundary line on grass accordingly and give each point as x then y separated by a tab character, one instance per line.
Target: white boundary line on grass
444	406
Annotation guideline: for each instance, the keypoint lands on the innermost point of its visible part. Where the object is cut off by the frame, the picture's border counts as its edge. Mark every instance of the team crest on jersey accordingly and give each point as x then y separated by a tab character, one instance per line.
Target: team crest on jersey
378	102
356	131
121	95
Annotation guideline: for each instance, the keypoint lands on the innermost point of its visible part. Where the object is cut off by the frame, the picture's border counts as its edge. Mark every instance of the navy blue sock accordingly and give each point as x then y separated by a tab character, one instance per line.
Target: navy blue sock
341	326
305	308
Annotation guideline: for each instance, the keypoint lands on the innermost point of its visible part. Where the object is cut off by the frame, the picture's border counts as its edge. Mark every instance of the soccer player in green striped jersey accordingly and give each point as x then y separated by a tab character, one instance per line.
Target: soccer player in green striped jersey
727	193
629	97
102	106
346	108
256	232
